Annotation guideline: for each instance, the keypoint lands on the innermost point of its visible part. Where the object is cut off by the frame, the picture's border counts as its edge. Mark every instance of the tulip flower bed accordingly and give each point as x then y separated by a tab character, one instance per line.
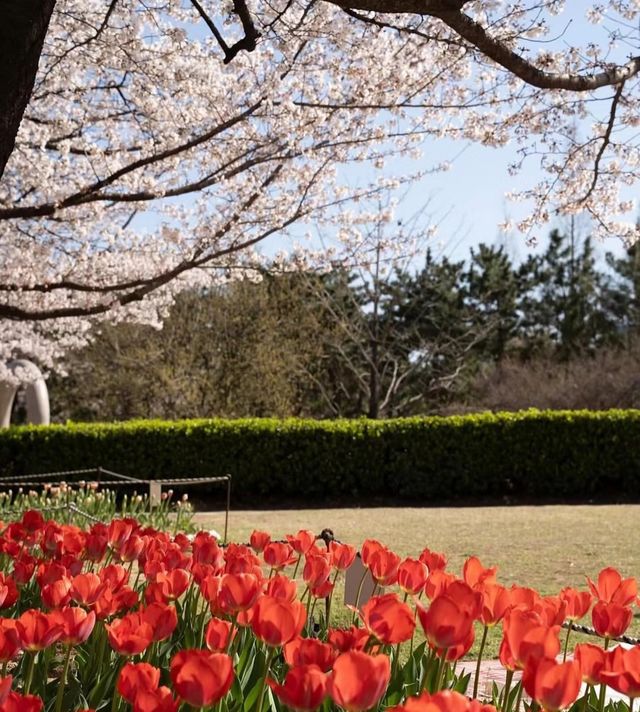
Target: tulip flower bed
125	617
99	502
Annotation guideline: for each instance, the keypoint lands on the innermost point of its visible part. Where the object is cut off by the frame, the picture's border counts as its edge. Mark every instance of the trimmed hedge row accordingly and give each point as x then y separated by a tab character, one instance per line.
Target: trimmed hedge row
547	455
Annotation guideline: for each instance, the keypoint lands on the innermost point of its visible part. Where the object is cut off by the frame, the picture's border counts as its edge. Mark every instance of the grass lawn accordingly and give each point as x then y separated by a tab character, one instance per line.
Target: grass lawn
543	547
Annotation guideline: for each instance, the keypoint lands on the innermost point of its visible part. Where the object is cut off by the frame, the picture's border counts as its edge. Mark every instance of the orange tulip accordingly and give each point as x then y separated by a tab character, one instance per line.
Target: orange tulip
388	619
304	688
610	620
612	588
359	681
554	686
444	701
201	678
276	621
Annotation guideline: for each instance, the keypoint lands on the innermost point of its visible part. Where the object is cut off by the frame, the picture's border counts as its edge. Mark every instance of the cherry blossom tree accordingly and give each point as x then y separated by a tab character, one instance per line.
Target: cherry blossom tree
162	143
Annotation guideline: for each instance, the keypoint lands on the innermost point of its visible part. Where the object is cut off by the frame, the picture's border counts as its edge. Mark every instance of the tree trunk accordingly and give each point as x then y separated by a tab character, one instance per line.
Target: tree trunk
23	27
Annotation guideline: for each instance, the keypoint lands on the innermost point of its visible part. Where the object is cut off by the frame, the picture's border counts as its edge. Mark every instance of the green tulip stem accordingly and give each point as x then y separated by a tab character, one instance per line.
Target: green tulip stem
63	681
477	678
264	679
566	641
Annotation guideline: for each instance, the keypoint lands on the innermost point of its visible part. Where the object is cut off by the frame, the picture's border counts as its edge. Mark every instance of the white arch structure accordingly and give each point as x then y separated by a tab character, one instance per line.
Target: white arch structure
26	374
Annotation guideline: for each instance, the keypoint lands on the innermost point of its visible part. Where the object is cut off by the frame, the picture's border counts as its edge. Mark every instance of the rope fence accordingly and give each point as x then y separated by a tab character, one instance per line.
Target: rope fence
114	479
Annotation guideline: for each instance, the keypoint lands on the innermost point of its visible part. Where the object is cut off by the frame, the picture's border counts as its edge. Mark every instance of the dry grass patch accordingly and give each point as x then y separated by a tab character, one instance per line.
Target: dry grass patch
543	547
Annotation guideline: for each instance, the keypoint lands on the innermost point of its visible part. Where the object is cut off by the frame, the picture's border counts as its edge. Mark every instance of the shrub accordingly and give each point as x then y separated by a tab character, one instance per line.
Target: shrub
548	455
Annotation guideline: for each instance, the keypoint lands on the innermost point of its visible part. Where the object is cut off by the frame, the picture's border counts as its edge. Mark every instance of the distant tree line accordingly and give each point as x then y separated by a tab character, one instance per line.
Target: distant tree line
556	330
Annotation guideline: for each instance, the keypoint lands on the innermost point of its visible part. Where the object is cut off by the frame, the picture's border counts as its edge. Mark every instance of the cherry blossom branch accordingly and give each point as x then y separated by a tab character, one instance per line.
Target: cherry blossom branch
84	195
606	140
450	13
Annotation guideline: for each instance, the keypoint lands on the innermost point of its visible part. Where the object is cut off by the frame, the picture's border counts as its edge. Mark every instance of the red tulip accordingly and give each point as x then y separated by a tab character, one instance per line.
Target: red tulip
238	592
130	635
304	688
16	702
475	574
443	701
445	624
346	639
86	588
432	560
342	555
388	619
412	576
276	621
383	565
156	700
578	603
277	554
369	547
76	623
309	651
162	618
259	540
8	591
610	619
217	635
496	601
623	671
302	541
135	677
611	588
524	638
437	583
592	660
281	586
316	571
10	644
554	686
359	681
38	630
201	678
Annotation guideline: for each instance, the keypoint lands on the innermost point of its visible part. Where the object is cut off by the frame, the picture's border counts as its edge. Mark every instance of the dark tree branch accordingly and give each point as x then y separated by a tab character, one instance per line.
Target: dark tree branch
23	27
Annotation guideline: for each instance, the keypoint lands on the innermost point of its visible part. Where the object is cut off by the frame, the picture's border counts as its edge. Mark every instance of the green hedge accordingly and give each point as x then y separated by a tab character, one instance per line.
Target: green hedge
529	455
